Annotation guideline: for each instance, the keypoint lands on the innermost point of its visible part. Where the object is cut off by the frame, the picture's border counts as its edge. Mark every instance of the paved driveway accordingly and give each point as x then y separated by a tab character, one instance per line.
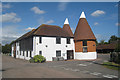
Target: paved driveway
17	68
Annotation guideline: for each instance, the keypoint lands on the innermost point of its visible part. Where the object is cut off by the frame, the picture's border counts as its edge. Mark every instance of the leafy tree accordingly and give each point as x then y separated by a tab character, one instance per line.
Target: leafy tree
6	48
106	43
102	42
113	38
96	42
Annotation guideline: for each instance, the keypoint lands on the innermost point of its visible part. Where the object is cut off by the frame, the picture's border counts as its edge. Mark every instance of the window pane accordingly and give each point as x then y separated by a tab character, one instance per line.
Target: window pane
27	54
30	54
20	52
84	49
68	40
23	53
58	53
40	39
84	43
40	52
58	40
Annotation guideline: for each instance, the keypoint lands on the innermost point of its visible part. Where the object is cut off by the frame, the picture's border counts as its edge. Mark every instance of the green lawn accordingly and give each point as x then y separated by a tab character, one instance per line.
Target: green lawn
112	65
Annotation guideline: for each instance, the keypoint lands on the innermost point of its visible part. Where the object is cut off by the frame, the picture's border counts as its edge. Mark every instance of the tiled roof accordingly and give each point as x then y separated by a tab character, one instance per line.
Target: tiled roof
67	28
83	31
47	30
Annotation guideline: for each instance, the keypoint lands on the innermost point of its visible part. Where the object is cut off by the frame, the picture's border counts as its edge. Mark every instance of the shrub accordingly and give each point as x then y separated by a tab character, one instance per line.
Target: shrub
115	57
38	59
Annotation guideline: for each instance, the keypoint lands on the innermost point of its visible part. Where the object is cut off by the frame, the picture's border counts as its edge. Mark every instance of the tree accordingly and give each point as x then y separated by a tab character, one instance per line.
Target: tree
113	38
102	42
96	42
106	43
6	48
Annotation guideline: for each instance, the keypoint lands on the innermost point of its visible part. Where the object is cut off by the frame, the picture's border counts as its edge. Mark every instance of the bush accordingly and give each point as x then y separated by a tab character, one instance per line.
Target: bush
115	57
31	60
37	59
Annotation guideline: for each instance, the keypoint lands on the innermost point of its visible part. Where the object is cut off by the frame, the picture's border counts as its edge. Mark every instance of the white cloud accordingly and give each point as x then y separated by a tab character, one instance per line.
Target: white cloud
117	24
10	17
97	13
49	22
6	6
100	37
37	10
96	23
10	33
42	21
29	28
62	6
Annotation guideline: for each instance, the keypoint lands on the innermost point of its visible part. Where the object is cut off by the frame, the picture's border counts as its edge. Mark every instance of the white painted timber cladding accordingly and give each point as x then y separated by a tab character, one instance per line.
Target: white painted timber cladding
49	51
85	56
52	47
12	50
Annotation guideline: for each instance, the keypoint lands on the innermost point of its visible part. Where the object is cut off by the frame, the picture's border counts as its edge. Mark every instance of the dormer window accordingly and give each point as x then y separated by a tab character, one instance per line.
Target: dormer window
58	40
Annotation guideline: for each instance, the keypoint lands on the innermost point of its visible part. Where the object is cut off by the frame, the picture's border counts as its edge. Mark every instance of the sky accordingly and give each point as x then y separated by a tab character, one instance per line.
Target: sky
21	17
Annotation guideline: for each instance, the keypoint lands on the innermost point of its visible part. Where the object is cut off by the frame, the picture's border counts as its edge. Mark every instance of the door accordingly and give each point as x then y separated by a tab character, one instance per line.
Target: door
70	54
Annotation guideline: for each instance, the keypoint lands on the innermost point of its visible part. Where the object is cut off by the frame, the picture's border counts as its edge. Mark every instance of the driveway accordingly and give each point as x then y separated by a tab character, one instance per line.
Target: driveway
17	68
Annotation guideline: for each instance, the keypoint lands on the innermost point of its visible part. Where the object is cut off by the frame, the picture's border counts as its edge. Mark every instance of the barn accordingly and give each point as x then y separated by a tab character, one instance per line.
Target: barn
52	41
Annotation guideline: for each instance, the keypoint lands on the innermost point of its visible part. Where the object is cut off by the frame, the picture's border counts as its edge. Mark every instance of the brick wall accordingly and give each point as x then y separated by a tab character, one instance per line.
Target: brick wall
91	46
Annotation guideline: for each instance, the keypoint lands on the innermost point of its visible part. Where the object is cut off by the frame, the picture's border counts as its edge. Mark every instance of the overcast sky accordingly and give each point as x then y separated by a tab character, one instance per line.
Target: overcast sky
19	18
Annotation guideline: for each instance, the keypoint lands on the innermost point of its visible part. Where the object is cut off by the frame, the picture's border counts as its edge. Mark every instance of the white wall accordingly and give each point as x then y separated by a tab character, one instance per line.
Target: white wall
50	50
85	56
18	52
12	50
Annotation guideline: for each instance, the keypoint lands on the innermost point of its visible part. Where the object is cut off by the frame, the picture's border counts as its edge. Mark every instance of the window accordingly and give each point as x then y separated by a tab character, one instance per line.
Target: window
40	52
84	49
58	40
84	43
30	54
40	39
27	54
17	52
23	53
58	53
20	52
68	40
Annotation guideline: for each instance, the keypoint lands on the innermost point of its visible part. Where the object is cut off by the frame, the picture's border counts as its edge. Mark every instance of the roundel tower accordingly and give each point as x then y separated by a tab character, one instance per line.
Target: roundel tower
85	41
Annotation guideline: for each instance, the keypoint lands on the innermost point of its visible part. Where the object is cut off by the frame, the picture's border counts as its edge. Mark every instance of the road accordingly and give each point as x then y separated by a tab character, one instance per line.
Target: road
17	68
0	66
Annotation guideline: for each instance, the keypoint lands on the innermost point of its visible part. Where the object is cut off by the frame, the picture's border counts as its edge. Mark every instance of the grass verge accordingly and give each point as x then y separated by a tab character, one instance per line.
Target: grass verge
111	65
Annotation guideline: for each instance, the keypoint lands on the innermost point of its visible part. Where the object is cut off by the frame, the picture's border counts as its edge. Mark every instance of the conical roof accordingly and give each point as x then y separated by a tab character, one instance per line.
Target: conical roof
83	30
67	28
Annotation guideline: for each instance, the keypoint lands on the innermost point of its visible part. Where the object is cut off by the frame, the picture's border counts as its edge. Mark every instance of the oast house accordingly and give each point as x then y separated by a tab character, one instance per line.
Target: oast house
53	41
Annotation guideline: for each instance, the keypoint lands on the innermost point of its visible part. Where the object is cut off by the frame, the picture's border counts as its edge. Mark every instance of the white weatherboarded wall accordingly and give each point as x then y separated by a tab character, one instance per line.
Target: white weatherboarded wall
85	56
49	47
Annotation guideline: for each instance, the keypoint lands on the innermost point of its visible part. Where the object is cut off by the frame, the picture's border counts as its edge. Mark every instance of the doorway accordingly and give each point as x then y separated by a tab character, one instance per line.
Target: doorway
70	54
